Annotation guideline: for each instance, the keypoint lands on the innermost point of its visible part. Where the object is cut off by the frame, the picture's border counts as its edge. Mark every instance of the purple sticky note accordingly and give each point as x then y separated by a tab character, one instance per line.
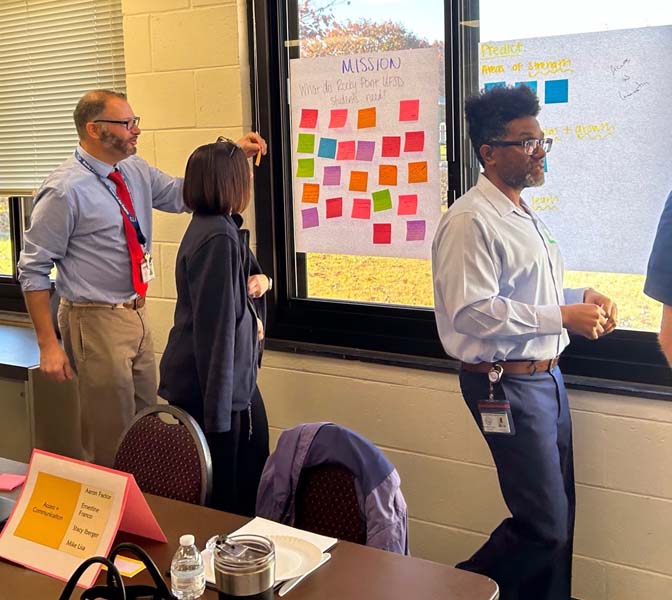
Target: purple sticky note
365	150
332	176
415	231
310	218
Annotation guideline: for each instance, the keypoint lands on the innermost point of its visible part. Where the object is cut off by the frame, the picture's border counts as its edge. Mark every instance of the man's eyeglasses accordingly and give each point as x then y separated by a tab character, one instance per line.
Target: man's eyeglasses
234	145
529	146
127	123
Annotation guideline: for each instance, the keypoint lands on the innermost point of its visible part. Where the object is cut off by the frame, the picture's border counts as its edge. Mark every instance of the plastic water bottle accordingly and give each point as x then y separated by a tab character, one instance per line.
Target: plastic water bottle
187	572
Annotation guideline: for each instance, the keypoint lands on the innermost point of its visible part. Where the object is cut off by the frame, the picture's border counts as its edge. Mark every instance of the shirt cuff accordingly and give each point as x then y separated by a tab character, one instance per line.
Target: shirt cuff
574	295
550	319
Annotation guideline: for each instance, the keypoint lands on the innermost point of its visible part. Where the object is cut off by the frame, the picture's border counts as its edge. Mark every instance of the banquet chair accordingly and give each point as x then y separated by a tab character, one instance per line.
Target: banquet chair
165	450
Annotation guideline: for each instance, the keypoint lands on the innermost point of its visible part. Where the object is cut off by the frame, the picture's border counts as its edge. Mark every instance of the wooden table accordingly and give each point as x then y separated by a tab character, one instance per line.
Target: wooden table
354	572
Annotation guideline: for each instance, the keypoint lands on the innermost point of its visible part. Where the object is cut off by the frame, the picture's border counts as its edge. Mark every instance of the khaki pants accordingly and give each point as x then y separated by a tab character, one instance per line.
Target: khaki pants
111	350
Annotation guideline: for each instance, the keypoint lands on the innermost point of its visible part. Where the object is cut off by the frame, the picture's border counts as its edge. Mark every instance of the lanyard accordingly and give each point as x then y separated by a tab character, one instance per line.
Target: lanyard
142	240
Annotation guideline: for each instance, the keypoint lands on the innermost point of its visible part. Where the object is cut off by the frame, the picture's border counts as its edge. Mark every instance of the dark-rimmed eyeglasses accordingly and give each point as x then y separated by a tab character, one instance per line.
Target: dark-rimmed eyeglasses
529	146
234	145
127	123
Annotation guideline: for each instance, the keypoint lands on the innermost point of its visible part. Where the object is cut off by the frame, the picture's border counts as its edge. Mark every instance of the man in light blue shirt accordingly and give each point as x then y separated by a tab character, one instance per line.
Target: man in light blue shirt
502	310
99	235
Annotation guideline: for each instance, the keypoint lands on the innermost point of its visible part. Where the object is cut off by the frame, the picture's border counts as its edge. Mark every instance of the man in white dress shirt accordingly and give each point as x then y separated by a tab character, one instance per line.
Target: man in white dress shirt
501	309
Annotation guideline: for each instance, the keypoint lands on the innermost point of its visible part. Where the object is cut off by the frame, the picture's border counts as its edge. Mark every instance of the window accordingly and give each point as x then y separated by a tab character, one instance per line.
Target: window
601	102
52	52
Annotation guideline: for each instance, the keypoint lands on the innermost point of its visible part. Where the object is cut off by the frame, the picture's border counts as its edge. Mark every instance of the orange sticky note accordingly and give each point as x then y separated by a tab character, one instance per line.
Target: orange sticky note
387	175
417	172
359	181
366	117
311	193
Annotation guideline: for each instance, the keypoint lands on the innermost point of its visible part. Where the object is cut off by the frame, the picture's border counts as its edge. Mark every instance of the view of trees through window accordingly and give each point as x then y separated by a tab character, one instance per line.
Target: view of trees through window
5	240
335	27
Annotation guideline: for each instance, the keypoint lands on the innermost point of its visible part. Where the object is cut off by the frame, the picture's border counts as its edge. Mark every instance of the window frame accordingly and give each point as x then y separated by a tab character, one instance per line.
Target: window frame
390	334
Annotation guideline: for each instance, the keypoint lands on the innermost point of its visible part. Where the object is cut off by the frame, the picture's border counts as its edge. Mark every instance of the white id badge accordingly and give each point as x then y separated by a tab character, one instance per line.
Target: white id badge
496	417
147	269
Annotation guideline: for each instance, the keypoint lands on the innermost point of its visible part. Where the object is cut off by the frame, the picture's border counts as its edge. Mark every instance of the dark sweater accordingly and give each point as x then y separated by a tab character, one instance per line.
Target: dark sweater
209	367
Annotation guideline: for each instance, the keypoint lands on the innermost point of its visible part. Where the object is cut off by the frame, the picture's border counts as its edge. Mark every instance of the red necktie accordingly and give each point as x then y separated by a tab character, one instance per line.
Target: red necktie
135	252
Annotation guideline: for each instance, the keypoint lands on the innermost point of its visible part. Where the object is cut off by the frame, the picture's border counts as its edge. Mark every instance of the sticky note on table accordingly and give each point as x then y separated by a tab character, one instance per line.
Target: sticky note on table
387	174
414	141
10	481
332	176
417	172
334	207
382	233
306	143
366	117
327	148
310	218
391	145
409	110
311	193
308	118
408	204
365	150
338	118
382	200
359	181
346	150
306	167
361	208
415	230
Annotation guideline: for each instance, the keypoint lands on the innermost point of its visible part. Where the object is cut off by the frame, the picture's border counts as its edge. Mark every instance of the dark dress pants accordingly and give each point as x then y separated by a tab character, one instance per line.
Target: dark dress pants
529	554
238	458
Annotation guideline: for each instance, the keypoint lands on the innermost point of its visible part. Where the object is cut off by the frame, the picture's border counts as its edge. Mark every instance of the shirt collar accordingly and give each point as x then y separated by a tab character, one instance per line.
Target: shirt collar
499	201
102	168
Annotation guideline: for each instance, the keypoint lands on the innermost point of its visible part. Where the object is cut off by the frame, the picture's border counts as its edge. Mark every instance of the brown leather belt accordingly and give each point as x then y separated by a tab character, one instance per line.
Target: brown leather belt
134	304
517	367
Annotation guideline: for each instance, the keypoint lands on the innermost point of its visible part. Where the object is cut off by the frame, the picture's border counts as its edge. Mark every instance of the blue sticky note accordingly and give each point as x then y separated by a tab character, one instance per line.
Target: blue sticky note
545	165
327	148
495	84
556	91
531	84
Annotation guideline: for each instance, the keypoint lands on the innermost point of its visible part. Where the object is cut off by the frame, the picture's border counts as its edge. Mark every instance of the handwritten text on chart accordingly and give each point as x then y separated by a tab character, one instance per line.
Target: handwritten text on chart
539	203
535	68
582	131
352	90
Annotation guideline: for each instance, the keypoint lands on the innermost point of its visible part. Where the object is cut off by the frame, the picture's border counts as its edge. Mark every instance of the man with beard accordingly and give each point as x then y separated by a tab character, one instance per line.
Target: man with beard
501	309
92	218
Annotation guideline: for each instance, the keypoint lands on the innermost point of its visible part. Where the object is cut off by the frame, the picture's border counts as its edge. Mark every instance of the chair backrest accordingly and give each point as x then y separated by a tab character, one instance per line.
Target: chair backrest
169	459
326	503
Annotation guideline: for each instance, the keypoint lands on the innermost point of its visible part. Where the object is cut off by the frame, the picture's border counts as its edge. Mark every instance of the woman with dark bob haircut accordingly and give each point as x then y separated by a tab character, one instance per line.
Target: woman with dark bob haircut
209	367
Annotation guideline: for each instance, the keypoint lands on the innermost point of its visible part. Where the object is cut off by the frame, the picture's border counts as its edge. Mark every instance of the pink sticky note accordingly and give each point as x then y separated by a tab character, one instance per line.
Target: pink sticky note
308	118
361	208
409	110
415	231
365	150
310	218
339	117
334	207
414	141
332	176
408	204
391	145
346	151
10	481
382	233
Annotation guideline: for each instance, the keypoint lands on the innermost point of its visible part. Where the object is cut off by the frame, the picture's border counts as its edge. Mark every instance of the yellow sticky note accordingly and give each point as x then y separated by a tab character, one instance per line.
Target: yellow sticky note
359	181
311	193
387	175
366	117
417	172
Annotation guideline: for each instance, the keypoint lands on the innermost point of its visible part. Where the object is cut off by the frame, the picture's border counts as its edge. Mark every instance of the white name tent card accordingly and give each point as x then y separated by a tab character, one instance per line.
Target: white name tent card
70	510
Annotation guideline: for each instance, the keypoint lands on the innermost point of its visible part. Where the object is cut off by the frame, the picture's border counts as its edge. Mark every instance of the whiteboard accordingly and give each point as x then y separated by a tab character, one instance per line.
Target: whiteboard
606	99
365	152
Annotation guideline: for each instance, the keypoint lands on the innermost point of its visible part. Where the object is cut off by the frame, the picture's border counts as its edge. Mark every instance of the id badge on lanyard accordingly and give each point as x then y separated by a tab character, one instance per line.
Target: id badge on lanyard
496	416
147	268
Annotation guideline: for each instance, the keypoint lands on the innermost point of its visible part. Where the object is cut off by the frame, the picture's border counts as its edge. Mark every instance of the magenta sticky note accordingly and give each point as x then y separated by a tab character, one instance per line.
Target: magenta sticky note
365	150
382	233
334	207
346	150
415	231
10	481
332	176
310	218
361	208
308	118
409	110
391	145
414	141
338	118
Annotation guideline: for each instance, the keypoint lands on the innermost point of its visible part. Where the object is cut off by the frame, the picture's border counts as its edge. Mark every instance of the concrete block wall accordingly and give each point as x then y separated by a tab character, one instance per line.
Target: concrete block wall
188	77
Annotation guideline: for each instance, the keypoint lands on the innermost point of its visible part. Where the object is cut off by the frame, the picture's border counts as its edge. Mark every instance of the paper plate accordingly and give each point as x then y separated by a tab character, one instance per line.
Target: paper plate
293	556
